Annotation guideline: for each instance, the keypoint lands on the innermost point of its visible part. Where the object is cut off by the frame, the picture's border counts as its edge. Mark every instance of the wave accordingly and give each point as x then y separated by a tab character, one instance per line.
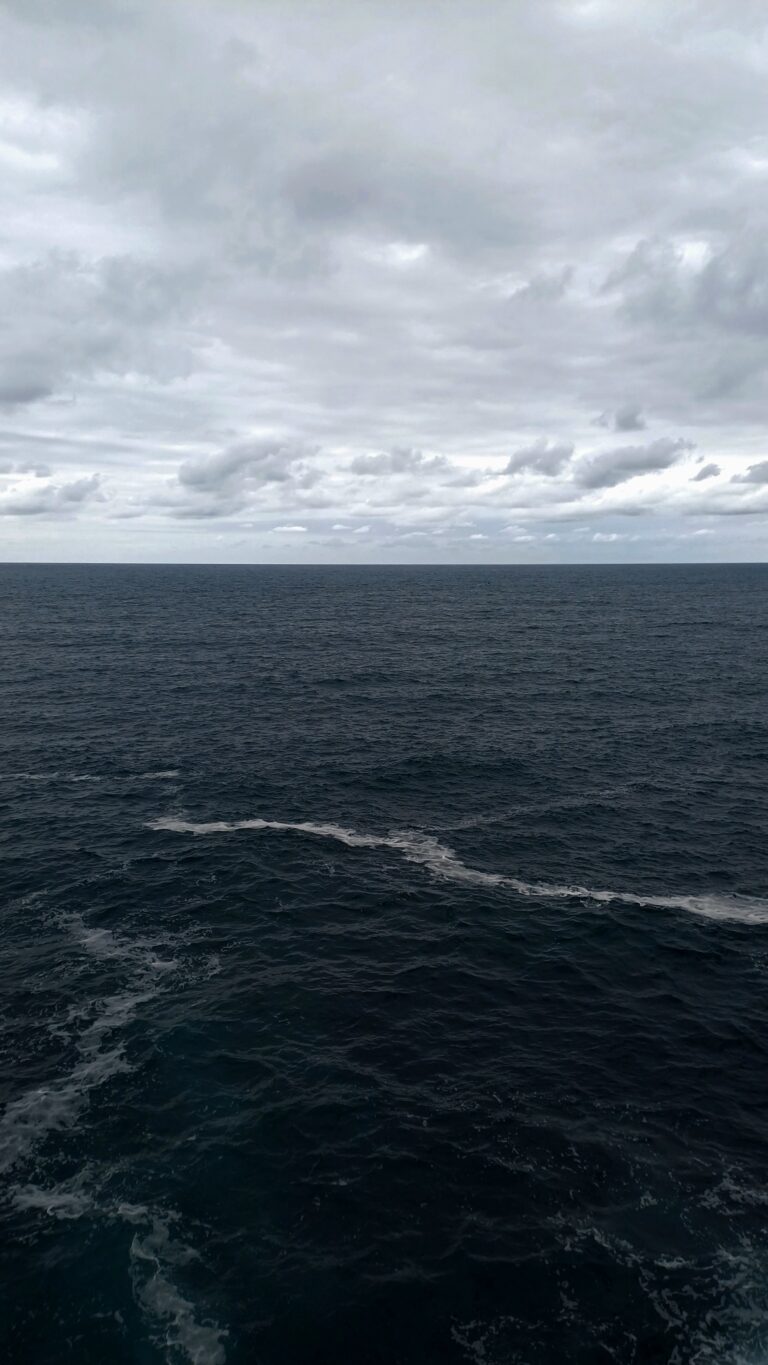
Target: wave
442	861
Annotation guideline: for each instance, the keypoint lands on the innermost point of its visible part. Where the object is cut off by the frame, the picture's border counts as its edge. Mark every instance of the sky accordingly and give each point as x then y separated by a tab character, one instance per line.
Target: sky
436	281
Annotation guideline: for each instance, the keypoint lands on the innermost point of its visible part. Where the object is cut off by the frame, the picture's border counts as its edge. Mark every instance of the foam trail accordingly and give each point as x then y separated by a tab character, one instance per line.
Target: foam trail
173	1320
155	1252
107	945
65	1201
27	1121
442	861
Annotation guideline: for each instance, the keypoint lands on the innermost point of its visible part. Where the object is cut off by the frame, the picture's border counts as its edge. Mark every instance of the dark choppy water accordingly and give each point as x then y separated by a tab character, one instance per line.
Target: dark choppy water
385	966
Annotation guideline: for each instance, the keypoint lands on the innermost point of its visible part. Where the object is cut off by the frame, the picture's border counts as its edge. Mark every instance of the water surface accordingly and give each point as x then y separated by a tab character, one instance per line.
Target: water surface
384	971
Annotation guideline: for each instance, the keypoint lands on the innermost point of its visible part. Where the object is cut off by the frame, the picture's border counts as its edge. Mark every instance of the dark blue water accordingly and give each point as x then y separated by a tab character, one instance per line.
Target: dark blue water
385	965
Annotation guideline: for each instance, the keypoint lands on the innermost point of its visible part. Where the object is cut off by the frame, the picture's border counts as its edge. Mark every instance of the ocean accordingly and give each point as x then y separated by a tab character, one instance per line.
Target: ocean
385	965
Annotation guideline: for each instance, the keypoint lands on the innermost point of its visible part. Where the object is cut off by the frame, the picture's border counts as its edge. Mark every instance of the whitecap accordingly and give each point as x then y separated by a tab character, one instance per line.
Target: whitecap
443	862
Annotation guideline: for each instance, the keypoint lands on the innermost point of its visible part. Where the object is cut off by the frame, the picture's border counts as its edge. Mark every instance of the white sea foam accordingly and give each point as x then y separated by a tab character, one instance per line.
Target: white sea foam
67	1200
173	1319
156	1251
107	945
442	861
100	1055
27	1121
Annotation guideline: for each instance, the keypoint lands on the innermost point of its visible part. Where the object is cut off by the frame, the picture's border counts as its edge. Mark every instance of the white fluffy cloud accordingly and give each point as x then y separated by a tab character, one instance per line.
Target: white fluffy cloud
49	499
356	280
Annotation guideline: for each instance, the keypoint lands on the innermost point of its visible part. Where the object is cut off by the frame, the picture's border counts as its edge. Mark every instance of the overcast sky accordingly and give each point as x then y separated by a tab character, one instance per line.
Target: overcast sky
440	280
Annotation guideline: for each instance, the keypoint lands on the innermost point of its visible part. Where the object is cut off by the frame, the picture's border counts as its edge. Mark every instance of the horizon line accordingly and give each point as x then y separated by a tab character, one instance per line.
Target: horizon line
384	564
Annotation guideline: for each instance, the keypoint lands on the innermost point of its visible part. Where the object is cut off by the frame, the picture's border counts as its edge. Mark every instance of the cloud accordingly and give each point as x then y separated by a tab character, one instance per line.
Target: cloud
70	319
756	473
626	418
36	467
721	287
542	457
257	462
17	391
288	530
707	471
237	477
51	499
353	253
611	467
397	461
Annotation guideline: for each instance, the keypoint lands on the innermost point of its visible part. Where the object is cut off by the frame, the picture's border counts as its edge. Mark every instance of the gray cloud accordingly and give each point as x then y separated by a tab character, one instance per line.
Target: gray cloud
244	474
68	319
611	467
756	473
378	234
626	418
16	389
707	471
397	461
542	457
36	467
257	462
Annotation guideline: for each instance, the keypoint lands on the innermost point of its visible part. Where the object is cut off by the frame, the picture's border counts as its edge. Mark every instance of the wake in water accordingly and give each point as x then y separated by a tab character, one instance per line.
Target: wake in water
443	862
156	1248
28	1120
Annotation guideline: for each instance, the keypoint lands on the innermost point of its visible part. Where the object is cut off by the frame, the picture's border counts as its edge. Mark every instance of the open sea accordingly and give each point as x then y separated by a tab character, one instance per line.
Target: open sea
384	965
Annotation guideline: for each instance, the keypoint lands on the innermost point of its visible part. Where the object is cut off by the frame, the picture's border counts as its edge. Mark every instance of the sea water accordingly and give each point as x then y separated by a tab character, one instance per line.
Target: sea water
385	965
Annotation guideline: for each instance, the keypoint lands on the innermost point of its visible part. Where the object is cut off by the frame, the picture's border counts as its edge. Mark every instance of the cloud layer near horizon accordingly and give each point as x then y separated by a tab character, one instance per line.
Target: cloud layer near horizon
383	281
